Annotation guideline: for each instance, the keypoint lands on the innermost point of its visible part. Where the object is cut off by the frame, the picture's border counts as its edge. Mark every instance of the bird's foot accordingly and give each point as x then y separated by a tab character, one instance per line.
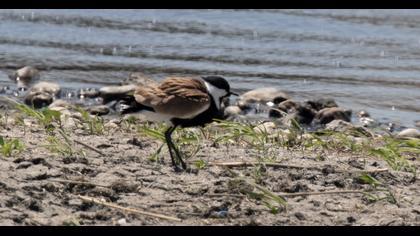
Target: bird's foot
177	169
191	170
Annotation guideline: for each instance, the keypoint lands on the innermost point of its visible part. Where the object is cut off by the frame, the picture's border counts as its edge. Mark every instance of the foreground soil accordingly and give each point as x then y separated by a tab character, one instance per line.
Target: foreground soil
38	187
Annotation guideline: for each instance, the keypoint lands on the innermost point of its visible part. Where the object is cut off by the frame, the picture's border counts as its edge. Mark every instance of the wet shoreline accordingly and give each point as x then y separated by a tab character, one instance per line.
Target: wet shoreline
364	59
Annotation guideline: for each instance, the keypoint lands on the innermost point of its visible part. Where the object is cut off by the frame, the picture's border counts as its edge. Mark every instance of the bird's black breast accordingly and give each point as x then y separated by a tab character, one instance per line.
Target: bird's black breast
203	118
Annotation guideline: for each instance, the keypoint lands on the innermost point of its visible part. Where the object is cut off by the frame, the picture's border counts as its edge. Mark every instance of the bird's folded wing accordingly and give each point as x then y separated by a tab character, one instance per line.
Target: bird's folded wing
149	96
185	88
179	97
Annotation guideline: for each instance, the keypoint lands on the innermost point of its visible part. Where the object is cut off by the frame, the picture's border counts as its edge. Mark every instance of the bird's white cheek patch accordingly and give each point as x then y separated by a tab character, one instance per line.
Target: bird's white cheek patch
216	93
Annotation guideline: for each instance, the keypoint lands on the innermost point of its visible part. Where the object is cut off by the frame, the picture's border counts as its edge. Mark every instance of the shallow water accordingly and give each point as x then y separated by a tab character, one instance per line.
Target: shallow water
365	59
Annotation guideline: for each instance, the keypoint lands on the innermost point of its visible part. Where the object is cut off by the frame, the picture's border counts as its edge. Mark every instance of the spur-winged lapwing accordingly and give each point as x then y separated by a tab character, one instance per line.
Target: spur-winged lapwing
180	101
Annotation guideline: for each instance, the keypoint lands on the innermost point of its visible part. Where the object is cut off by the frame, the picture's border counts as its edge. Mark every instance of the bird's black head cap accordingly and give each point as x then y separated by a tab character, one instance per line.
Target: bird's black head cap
218	82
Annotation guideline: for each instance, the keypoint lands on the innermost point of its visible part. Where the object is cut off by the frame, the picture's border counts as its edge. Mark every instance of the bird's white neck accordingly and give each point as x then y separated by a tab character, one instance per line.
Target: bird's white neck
216	93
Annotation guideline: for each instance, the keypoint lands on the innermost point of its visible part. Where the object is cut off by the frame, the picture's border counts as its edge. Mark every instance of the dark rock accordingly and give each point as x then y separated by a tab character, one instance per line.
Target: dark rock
275	113
300	216
304	115
339	183
232	111
328	170
351	219
327	115
356	164
322	103
134	141
34	205
121	186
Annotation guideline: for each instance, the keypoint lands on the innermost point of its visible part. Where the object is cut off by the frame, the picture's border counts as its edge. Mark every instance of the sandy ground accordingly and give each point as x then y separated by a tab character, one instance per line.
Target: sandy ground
33	190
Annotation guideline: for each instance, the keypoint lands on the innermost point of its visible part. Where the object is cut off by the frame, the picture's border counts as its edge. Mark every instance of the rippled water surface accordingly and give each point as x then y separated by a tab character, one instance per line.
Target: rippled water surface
365	59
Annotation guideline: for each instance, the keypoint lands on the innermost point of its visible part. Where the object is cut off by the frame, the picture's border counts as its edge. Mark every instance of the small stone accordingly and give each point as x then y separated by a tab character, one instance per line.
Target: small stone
267	127
351	219
300	215
232	111
122	222
111	125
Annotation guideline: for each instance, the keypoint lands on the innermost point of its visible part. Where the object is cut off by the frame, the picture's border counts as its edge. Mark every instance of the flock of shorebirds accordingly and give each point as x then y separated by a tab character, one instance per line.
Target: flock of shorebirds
178	101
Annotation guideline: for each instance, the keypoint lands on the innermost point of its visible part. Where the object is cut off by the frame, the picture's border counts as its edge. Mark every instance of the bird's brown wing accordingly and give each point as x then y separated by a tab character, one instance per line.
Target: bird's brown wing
186	88
181	97
149	95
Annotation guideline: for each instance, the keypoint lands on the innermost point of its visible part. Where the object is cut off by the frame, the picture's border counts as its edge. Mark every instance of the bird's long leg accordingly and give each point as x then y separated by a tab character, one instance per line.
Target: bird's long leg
184	166
168	139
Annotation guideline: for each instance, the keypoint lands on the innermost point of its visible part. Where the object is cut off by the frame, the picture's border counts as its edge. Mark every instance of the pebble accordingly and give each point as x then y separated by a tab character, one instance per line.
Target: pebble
122	222
232	111
267	127
321	103
300	216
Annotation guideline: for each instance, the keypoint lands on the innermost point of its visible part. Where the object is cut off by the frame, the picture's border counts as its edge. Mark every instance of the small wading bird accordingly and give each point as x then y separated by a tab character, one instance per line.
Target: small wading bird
180	101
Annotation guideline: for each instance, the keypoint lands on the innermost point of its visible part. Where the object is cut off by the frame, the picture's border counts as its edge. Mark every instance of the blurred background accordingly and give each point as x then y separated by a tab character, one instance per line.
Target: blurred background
364	59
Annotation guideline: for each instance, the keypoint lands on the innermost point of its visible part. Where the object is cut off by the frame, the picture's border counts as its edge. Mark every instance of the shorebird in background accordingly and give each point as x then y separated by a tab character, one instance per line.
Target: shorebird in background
180	101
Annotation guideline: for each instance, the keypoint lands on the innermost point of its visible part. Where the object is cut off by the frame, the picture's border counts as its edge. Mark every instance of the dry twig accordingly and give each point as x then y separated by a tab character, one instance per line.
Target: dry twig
90	147
97	201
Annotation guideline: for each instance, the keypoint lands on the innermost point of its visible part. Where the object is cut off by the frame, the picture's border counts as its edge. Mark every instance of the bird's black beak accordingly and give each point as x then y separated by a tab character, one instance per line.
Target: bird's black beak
232	93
